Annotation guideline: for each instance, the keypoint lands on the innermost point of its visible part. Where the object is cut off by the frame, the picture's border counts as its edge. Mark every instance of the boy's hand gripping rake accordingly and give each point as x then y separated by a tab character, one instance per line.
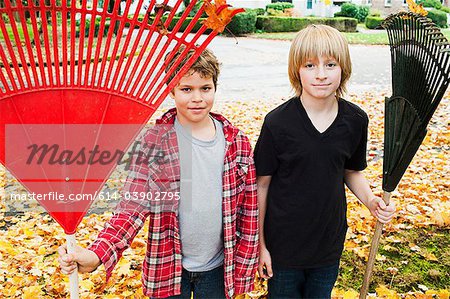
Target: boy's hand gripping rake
420	77
70	71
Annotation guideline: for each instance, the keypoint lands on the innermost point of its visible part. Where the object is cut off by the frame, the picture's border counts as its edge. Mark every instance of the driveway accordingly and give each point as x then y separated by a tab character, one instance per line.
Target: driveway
257	68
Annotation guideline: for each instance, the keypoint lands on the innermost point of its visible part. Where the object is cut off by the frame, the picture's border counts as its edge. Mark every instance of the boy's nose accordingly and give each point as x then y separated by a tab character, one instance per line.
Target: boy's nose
197	96
321	73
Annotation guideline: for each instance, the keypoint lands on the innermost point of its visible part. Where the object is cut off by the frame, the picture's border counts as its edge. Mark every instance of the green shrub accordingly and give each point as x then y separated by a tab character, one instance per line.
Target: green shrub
285	24
363	12
279	6
196	8
339	14
183	27
140	18
430	3
445	9
351	10
259	11
373	22
438	17
243	23
87	26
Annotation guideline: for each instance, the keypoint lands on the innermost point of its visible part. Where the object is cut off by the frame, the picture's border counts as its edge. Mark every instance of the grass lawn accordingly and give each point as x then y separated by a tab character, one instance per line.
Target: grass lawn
370	37
19	30
406	260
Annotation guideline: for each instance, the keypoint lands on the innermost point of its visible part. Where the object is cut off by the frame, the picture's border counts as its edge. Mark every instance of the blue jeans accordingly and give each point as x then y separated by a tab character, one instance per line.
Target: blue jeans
306	283
207	284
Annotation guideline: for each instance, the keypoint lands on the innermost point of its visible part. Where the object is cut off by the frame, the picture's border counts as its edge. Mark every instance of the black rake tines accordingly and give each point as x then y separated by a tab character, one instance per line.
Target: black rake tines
420	77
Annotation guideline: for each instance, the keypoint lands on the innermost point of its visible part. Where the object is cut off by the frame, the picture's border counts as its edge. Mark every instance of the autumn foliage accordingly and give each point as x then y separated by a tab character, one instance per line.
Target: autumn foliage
28	241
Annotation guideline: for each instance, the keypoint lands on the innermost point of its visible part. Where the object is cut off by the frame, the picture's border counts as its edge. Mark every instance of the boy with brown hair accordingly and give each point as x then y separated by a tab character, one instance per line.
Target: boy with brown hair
205	243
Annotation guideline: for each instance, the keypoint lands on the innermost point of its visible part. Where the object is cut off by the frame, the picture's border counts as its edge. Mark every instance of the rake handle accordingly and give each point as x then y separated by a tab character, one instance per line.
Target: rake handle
373	252
73	278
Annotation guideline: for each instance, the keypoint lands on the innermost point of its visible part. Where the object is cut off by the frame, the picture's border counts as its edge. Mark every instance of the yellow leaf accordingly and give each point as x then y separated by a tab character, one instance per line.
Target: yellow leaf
430	256
127	293
383	291
6	247
416	8
28	232
42	250
86	284
123	268
443	294
32	292
351	294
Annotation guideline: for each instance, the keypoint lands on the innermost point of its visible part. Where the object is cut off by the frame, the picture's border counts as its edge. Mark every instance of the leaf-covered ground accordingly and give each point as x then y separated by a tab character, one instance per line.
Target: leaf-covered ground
414	255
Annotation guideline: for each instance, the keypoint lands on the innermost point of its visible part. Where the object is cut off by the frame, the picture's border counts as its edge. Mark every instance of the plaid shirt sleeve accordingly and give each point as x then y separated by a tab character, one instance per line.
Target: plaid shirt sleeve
128	219
247	244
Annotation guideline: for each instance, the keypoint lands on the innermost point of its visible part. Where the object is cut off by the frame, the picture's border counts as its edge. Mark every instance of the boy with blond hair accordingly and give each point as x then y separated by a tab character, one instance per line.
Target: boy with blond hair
309	148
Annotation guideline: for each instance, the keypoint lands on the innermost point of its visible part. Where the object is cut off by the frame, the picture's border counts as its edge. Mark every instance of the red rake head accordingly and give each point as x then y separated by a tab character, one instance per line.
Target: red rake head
65	63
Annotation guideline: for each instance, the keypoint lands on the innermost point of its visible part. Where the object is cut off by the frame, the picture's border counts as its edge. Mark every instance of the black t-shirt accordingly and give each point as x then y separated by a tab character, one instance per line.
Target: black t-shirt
305	223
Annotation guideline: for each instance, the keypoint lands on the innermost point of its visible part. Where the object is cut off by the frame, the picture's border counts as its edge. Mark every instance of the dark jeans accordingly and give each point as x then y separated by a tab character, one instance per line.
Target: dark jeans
208	284
307	283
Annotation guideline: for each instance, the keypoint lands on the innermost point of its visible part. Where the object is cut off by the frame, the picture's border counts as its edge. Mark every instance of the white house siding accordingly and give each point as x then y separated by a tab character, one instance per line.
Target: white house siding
319	9
249	3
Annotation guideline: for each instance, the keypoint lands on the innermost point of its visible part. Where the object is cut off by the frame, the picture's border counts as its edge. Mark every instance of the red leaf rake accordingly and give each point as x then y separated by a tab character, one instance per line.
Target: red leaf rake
72	75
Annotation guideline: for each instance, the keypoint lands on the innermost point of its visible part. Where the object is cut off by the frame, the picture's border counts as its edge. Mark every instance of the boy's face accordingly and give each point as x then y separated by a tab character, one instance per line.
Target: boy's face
194	98
320	78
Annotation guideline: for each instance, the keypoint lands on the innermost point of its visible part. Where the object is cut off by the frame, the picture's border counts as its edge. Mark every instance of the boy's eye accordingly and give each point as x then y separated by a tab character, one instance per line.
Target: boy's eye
186	89
331	64
309	65
206	88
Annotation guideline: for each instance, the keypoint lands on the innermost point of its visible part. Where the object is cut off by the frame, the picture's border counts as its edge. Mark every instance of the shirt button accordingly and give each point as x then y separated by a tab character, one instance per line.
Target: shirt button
178	269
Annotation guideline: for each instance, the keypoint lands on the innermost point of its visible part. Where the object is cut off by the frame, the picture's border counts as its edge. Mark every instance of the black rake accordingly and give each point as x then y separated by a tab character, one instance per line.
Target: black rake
420	77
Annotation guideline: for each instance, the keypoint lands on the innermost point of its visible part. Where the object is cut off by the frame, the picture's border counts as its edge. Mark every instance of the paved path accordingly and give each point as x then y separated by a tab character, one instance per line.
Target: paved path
257	68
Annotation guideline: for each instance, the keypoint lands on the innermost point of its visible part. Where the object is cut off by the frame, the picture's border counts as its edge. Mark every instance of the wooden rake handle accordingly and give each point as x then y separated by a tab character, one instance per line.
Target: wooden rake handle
373	252
73	278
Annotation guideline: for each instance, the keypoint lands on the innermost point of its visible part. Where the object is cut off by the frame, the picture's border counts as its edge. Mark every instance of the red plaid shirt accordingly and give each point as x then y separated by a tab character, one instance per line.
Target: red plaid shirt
162	266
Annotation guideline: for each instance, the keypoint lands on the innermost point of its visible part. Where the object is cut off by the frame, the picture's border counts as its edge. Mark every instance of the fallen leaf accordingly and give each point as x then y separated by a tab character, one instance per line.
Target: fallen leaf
218	15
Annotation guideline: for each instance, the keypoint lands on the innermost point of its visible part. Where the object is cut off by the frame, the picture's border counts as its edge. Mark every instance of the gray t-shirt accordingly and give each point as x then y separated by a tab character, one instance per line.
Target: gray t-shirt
200	209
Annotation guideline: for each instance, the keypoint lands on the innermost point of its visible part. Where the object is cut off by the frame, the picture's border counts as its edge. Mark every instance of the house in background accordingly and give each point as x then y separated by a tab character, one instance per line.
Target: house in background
319	8
327	8
387	7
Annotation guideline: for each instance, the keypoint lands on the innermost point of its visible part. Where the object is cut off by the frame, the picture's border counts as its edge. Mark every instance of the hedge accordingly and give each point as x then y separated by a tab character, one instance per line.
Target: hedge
288	24
430	3
259	11
87	27
438	17
243	23
373	22
279	6
186	23
445	9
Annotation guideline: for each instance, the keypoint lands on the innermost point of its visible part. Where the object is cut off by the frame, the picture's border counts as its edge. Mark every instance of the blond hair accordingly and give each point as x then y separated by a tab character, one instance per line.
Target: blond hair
206	64
315	41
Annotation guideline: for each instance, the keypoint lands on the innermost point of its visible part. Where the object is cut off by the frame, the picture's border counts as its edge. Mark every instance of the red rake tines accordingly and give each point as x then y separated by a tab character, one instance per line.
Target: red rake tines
71	71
